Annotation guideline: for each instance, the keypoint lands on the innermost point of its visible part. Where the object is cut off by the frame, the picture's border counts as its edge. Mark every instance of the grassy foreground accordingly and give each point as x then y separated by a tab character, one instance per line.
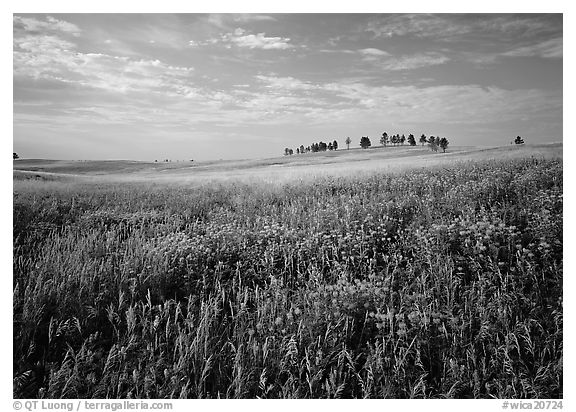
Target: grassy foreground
440	282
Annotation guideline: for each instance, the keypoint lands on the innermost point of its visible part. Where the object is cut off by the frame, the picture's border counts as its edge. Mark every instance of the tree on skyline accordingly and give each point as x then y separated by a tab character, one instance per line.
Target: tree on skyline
518	140
423	139
384	139
396	139
443	143
15	156
365	142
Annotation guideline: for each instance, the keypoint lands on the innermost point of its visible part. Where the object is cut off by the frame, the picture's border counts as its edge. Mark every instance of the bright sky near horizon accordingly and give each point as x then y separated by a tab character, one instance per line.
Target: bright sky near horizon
199	86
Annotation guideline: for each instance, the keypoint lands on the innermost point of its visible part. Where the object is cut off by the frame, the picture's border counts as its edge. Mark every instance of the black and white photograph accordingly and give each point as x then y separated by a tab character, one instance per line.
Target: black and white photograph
287	206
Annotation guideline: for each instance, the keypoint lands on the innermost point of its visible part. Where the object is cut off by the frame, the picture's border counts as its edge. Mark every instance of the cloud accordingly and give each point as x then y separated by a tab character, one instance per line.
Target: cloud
249	18
294	100
548	49
419	25
343	51
355	101
373	52
450	104
241	38
285	83
385	61
449	27
415	61
50	24
257	41
49	57
526	25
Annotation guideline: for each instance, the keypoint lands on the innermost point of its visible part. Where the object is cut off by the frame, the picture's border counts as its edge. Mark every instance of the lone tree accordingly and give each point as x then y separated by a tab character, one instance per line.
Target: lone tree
423	139
384	139
443	143
330	147
15	156
411	140
335	145
348	141
365	142
519	140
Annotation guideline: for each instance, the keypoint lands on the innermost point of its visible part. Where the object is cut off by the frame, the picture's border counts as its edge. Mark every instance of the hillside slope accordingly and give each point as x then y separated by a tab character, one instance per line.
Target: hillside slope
335	162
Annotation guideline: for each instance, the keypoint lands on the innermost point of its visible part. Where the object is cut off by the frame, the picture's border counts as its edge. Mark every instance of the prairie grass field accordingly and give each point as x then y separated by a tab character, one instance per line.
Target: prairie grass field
428	279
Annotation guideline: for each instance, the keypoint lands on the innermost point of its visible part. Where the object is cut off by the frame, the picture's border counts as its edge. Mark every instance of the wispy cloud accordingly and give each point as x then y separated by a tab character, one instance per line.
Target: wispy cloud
547	49
285	83
373	52
345	101
49	24
452	27
419	25
249	18
49	57
415	61
241	38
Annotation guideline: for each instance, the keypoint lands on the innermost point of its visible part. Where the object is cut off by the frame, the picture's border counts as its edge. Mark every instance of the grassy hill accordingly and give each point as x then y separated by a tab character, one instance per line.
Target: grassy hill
336	162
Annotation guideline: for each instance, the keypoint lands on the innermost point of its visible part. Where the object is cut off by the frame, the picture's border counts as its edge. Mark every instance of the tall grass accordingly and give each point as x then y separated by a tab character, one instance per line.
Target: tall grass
433	283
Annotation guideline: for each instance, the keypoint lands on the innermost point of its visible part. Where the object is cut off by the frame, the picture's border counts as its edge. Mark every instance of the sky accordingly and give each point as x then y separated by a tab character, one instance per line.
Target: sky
231	86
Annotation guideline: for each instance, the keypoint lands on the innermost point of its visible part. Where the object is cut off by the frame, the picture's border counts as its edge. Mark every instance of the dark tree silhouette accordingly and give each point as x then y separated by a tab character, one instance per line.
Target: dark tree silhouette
290	152
330	147
348	141
384	139
302	149
286	151
423	139
402	140
335	145
365	142
297	150
519	140
443	143
411	140
15	156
